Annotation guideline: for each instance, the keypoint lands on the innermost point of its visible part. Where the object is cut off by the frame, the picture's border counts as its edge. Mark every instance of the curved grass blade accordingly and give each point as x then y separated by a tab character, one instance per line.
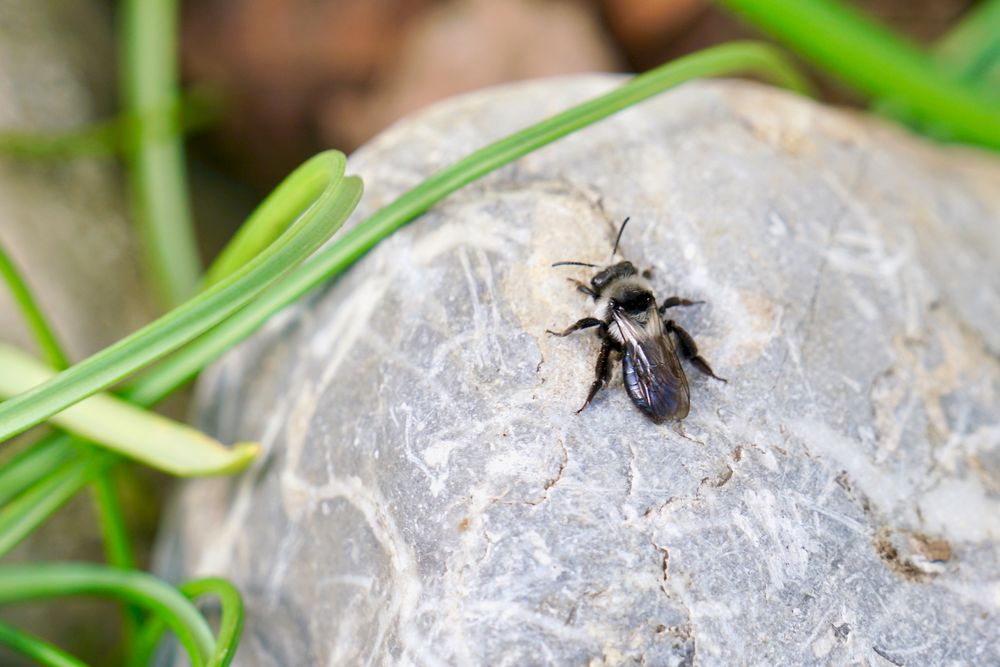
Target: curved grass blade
127	429
35	649
757	58
317	193
230	627
48	580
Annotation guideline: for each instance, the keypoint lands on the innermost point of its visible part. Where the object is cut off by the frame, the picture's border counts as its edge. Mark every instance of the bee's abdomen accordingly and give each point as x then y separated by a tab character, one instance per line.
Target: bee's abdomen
658	399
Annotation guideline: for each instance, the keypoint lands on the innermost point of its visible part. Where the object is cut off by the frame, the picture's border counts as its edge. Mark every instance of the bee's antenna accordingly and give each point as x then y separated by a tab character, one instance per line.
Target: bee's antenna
593	266
619	238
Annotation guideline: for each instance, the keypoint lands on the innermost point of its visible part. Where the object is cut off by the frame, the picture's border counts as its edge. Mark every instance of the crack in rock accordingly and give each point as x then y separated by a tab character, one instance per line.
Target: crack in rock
885	656
562	467
664	567
721	479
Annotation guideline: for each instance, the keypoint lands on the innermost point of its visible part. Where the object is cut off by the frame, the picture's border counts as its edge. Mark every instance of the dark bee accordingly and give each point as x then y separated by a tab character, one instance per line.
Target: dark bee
629	324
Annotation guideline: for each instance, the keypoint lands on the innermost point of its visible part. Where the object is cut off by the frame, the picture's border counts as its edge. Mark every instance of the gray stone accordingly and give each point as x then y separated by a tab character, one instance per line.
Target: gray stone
429	497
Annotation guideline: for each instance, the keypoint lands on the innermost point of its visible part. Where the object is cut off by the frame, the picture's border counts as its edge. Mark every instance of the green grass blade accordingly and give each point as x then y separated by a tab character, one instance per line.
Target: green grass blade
37	323
231	625
36	649
879	63
108	137
98	139
972	48
321	198
147	640
127	429
117	547
156	170
29	510
39	460
733	58
38	581
261	229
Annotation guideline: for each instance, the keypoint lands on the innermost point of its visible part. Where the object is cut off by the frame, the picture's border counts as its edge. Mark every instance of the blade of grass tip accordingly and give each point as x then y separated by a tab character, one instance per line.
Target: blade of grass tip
317	193
37	323
269	221
156	171
736	57
29	510
971	48
36	649
38	461
129	430
877	62
39	581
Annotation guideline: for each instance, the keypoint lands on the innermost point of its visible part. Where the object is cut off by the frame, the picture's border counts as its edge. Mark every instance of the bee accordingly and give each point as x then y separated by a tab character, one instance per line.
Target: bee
630	326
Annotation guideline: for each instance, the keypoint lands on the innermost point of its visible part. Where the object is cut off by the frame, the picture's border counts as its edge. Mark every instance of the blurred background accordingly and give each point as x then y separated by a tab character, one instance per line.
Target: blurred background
297	76
300	75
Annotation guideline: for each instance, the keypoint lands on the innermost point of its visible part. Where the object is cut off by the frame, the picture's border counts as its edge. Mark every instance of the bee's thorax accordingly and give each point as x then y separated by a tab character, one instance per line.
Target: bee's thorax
630	296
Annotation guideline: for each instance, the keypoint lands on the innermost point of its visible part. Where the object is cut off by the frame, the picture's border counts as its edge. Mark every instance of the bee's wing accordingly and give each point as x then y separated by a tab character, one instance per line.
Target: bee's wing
653	375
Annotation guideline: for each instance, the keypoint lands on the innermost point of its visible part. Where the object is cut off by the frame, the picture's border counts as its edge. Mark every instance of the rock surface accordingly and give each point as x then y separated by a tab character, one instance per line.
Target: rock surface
429	497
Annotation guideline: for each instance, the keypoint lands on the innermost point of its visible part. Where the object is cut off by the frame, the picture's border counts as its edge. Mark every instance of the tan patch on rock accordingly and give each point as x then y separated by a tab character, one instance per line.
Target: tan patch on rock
912	555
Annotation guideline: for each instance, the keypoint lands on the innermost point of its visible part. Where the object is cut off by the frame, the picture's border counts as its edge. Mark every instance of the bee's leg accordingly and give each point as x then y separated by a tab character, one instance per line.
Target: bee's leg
672	301
583	287
585	323
602	372
690	350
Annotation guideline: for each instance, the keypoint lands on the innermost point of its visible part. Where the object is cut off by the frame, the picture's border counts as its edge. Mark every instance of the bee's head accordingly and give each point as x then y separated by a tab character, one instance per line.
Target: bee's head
609	274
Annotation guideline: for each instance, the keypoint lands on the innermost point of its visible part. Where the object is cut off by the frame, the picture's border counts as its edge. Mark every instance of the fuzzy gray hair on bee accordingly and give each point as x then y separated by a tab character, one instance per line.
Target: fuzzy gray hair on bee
630	326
